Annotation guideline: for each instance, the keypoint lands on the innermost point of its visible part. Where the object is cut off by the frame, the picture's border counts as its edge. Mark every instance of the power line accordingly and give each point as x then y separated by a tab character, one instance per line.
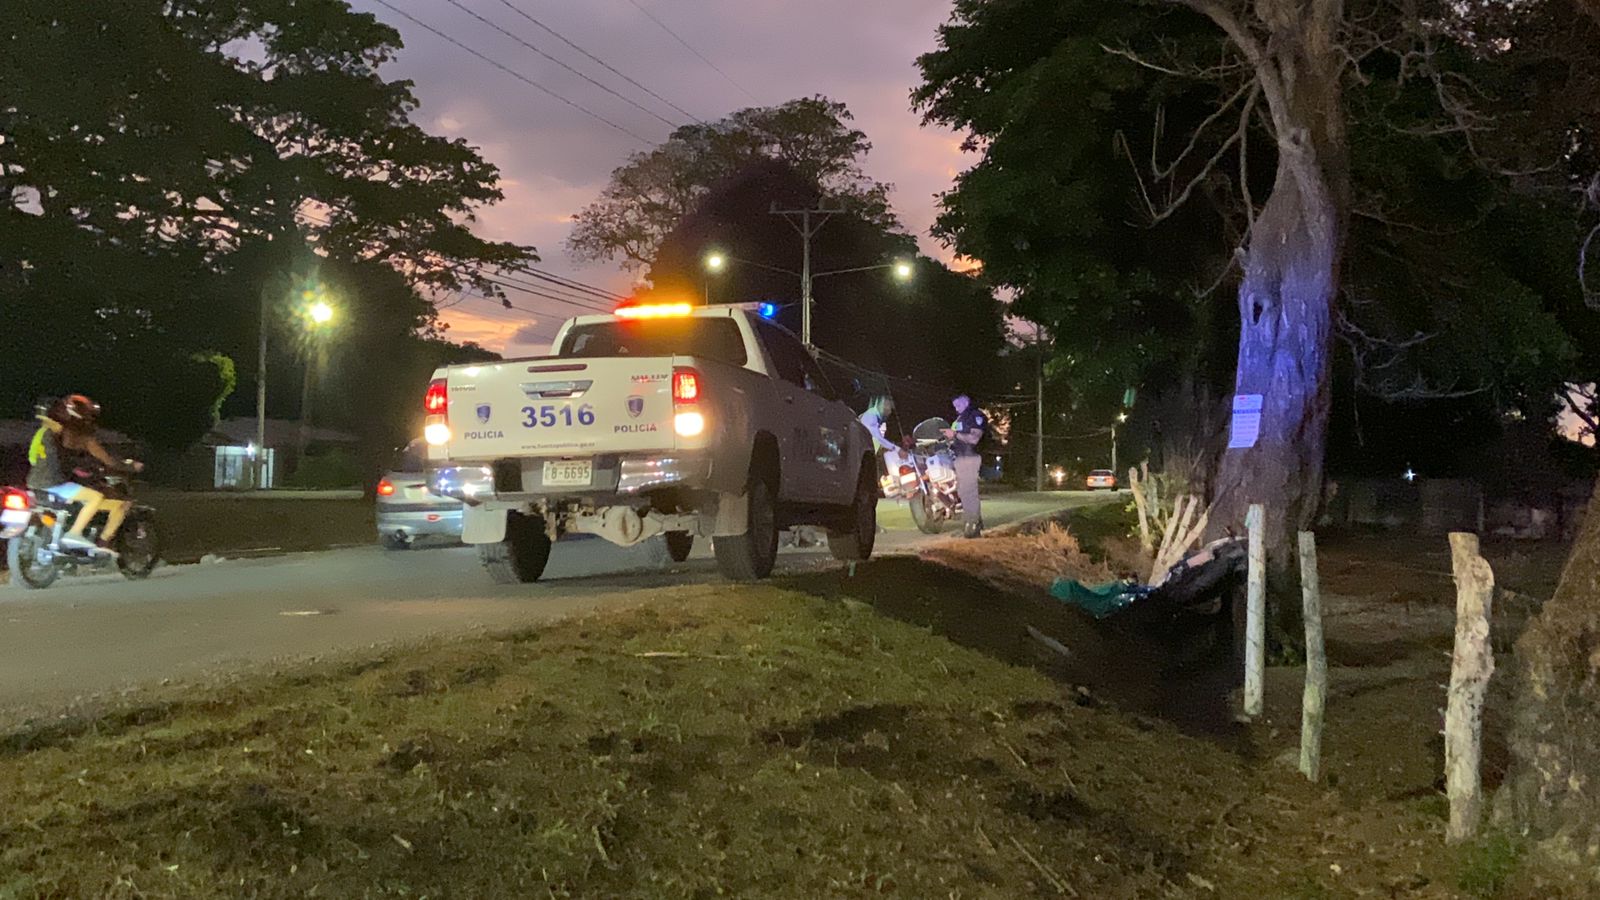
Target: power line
628	100
513	73
572	283
598	61
573	298
548	296
690	48
580	301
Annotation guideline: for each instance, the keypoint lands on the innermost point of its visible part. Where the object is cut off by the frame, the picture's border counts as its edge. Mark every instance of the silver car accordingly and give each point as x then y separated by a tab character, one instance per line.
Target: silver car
407	510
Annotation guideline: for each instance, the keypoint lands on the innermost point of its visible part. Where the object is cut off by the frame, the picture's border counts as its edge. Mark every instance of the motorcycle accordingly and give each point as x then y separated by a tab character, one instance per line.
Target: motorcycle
925	477
33	522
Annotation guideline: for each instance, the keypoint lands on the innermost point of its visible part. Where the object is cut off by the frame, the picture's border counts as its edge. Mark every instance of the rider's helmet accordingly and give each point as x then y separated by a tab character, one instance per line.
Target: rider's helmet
76	412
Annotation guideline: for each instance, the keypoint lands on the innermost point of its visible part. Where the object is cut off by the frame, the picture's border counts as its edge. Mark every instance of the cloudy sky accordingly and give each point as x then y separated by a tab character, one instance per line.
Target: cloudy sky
555	158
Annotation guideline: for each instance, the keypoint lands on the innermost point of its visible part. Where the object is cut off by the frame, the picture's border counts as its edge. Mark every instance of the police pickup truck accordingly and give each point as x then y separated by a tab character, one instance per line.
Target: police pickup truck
666	419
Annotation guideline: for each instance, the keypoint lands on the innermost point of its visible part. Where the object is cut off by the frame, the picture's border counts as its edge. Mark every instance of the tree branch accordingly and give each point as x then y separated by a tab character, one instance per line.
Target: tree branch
1194	138
1266	70
1171	206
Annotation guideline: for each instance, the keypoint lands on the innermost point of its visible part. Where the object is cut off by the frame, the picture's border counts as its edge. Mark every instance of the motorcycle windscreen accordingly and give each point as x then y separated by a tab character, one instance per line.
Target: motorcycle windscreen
929	430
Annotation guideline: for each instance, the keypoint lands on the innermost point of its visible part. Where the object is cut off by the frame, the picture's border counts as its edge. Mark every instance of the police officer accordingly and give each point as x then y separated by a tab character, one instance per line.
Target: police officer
965	433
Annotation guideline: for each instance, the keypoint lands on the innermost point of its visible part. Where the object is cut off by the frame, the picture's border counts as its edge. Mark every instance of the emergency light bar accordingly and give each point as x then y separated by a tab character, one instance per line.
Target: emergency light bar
654	311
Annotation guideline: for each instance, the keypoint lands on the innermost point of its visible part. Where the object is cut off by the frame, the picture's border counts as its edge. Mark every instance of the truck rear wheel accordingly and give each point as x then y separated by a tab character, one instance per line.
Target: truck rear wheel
751	556
679	544
520	557
854	543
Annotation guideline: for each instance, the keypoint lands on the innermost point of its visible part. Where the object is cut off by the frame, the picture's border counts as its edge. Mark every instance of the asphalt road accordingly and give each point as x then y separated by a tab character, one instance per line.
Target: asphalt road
91	638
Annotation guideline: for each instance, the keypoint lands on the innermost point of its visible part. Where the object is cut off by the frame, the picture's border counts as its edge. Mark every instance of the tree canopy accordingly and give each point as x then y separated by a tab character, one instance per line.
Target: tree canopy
941	331
170	165
1457	275
647	196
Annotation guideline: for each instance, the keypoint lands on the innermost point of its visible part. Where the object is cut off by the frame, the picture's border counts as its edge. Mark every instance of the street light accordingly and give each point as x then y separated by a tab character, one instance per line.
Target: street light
317	313
1121	417
903	271
715	263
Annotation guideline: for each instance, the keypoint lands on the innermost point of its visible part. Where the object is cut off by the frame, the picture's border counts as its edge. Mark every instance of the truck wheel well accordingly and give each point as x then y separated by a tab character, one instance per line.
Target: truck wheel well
764	459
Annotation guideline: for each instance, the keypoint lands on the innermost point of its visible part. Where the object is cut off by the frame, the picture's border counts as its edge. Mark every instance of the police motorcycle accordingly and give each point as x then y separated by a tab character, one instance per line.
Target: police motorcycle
925	477
33	522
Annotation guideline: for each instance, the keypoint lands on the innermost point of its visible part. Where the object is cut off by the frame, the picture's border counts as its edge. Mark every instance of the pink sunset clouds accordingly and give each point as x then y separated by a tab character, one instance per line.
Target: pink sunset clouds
554	159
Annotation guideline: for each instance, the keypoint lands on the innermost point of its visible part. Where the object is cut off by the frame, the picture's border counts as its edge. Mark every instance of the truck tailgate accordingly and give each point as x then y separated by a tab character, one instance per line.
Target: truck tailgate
560	407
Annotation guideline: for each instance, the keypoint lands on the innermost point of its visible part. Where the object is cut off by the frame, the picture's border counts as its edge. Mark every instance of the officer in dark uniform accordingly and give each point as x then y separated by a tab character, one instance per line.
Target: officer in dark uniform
965	433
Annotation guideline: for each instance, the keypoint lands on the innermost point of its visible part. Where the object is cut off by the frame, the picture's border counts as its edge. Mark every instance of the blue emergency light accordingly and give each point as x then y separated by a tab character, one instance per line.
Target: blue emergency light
767	310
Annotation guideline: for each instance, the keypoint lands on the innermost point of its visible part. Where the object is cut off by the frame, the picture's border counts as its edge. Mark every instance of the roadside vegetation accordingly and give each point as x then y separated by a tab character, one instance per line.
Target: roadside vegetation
821	736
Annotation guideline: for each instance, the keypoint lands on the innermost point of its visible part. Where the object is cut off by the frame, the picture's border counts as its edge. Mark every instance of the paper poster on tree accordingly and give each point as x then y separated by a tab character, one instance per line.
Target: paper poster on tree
1245	429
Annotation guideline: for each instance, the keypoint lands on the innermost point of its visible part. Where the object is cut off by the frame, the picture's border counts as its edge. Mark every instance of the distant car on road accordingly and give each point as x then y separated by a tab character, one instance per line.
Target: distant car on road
1101	480
407	510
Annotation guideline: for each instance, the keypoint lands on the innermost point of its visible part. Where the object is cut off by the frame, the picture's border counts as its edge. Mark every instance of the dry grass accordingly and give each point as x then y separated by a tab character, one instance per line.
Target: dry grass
1026	561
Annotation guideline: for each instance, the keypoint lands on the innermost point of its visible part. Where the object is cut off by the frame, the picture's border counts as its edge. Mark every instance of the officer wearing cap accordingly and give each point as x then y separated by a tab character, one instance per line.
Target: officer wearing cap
965	433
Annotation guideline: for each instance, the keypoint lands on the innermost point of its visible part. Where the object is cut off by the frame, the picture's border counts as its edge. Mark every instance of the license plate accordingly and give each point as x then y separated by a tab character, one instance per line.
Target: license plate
568	472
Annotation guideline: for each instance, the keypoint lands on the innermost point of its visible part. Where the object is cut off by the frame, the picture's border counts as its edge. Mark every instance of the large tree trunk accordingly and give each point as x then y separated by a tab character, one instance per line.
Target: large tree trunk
1553	786
1291	276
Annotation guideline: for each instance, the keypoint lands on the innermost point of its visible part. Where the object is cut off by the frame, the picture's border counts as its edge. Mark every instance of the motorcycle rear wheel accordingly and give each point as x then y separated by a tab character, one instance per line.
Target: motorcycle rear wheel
138	547
22	558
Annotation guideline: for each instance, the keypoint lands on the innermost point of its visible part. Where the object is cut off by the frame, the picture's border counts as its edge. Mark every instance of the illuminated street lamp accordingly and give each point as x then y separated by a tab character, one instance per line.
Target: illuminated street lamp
716	261
317	313
318	316
1121	417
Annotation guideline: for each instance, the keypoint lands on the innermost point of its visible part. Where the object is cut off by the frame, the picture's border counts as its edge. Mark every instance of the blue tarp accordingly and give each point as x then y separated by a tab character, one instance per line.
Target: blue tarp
1098	600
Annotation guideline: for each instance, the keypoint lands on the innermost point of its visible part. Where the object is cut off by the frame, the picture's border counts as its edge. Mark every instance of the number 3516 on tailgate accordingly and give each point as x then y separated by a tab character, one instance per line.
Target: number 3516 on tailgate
557	416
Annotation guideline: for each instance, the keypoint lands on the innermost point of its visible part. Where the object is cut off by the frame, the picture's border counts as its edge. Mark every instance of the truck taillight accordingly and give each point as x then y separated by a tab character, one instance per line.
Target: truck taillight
685	385
687	420
16	501
437	401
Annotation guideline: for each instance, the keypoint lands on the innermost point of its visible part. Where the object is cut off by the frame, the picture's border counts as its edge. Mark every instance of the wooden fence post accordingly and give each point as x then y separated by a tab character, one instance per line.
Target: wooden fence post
1315	700
1470	667
1255	639
1145	542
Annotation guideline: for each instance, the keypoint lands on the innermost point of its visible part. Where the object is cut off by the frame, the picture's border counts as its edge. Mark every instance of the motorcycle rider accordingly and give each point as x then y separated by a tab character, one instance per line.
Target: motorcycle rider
965	433
873	419
61	459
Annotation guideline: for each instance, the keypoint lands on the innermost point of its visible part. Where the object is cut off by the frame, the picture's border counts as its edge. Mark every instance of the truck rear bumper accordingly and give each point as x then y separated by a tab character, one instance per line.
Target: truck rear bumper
615	477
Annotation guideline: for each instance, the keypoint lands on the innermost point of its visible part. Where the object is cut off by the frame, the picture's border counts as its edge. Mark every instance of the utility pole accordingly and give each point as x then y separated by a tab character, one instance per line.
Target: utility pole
1038	397
1113	449
802	220
261	398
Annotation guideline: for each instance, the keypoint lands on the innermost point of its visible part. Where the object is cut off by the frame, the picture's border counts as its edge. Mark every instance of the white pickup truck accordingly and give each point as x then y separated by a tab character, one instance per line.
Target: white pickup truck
668	419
